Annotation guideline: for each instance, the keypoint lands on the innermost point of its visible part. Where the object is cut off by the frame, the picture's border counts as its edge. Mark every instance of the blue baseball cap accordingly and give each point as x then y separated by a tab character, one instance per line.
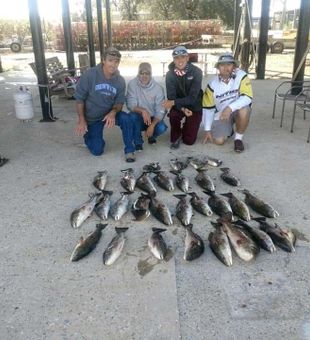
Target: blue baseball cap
179	50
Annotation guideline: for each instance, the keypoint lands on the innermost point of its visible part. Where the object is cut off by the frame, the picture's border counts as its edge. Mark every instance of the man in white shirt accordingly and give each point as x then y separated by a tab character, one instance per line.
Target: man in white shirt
227	100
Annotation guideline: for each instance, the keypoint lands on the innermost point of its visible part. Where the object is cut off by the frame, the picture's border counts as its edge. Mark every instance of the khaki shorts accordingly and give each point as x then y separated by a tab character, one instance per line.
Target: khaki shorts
224	128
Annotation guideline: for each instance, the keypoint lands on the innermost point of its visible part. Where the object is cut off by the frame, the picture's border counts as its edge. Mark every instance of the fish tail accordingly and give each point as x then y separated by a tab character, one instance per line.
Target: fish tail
180	196
208	192
101	226
189	226
125	170
120	230
107	192
158	230
227	194
225	169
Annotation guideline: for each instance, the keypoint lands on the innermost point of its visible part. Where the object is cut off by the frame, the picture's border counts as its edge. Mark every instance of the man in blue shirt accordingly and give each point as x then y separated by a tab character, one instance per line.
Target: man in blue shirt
100	95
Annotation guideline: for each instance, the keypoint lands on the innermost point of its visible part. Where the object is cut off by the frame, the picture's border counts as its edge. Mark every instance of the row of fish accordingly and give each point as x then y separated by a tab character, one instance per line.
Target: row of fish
244	239
146	203
194	245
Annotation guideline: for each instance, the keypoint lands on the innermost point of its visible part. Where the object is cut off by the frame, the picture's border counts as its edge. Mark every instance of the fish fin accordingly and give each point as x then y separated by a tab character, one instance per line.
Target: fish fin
120	230
101	226
244	191
215	224
81	240
158	230
193	194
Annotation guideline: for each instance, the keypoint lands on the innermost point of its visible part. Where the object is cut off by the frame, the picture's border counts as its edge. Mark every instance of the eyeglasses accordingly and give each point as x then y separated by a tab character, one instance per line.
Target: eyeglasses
144	73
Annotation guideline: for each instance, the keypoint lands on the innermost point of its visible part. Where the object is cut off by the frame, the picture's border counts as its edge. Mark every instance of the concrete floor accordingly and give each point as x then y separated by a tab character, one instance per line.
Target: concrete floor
44	296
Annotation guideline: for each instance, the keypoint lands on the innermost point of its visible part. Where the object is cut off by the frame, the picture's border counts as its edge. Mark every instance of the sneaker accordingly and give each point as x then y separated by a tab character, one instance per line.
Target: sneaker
152	140
130	157
239	147
139	147
175	145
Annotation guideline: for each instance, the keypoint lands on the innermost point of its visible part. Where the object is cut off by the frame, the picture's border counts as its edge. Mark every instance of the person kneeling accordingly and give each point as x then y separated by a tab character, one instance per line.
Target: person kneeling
144	99
227	100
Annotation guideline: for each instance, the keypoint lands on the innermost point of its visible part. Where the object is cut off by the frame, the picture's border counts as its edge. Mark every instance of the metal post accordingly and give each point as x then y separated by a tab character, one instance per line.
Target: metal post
301	43
39	57
109	26
246	44
1	69
100	28
263	39
237	17
66	20
90	33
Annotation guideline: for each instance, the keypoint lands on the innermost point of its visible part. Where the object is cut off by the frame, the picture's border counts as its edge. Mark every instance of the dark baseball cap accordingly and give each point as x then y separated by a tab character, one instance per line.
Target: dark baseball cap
112	52
179	50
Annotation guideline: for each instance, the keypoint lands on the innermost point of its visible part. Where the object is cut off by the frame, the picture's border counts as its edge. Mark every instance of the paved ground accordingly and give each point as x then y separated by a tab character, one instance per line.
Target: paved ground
44	296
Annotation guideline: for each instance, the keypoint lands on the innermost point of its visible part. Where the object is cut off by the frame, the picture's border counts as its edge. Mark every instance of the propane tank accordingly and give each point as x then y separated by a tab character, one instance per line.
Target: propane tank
23	104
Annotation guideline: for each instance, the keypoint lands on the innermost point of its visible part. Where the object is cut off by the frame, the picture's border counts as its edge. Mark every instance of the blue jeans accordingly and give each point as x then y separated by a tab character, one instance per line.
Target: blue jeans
138	126
94	136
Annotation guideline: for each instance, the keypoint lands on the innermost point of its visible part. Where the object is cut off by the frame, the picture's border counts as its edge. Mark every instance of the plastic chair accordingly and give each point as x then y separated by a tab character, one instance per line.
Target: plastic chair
284	92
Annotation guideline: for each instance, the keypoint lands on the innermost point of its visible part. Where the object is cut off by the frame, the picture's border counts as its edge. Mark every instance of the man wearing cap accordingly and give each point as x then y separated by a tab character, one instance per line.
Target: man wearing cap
144	100
183	84
227	100
100	95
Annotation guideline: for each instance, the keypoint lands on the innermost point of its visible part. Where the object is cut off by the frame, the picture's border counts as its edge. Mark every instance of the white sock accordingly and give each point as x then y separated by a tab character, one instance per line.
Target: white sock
238	136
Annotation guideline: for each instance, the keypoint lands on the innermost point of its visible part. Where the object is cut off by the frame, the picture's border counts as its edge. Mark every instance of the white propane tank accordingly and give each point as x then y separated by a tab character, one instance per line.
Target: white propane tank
23	104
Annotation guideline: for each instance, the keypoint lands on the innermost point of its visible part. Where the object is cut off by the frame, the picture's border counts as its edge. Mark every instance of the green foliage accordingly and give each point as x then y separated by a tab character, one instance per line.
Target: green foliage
191	10
12	29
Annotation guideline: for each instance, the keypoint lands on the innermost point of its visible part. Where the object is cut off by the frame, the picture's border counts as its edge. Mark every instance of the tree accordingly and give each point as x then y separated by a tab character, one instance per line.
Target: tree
129	9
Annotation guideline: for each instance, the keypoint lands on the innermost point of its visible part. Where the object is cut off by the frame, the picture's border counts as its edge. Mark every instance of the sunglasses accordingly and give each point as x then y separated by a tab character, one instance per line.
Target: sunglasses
144	73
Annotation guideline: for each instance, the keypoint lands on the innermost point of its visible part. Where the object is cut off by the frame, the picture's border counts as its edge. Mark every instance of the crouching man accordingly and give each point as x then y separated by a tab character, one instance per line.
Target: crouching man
100	95
227	101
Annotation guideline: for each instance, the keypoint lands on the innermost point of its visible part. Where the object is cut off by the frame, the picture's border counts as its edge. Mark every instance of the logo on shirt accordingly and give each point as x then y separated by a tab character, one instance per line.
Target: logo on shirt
106	89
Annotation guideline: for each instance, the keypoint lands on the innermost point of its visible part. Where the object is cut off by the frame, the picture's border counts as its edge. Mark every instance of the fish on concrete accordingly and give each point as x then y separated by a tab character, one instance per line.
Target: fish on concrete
102	208
238	207
160	211
214	161
258	235
87	245
198	164
128	181
100	180
145	183
228	177
220	246
178	165
140	208
200	205
219	206
205	181
259	205
242	244
120	207
282	237
184	210
157	244
154	166
115	247
182	181
163	179
79	215
194	246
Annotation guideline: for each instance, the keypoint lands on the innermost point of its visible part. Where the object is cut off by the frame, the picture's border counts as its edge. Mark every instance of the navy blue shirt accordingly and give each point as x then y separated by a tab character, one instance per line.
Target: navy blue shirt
98	93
